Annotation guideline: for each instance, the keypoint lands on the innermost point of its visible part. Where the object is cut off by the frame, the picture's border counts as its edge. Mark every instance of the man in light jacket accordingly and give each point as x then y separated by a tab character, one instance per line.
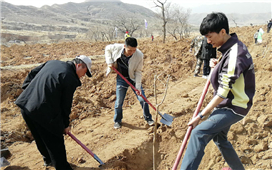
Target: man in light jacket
129	62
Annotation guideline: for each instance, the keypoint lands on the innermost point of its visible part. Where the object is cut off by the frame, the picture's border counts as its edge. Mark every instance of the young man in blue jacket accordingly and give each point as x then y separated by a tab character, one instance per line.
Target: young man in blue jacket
129	62
46	105
233	80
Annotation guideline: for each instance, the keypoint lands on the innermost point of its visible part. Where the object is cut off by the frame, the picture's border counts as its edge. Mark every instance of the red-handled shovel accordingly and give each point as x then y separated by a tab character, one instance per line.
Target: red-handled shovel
166	119
188	133
86	149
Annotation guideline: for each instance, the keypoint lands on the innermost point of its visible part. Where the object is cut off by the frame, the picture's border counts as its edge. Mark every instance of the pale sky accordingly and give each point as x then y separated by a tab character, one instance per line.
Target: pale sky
146	3
40	3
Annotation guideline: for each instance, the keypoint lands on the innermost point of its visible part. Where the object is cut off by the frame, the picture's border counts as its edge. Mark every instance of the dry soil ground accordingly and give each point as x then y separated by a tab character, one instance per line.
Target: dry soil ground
131	147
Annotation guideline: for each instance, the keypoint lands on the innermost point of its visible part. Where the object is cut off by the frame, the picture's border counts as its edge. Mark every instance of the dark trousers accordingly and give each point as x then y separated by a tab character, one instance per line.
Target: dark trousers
206	67
51	146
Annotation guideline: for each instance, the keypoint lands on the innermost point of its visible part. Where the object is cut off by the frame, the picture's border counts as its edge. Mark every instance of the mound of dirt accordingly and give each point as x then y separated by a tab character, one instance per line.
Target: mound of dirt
131	147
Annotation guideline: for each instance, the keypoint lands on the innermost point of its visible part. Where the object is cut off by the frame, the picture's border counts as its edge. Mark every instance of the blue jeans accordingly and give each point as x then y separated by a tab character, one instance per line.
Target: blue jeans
216	127
121	90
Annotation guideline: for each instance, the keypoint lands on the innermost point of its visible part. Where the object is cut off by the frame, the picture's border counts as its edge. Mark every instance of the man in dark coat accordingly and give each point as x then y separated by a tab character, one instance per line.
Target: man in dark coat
269	26
46	105
207	52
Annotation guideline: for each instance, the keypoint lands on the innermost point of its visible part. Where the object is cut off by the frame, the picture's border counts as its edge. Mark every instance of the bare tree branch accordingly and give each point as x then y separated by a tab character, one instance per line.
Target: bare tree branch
156	120
178	22
125	23
162	5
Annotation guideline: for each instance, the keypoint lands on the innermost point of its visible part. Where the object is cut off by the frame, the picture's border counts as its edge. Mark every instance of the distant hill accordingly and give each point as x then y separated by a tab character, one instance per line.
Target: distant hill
243	13
72	14
72	20
240	19
99	11
235	7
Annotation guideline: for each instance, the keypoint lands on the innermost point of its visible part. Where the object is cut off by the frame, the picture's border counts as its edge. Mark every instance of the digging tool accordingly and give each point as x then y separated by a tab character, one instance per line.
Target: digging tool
189	130
166	119
86	149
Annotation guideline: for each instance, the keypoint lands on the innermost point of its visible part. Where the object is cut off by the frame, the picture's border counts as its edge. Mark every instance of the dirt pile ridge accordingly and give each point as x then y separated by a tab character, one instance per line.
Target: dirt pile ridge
130	148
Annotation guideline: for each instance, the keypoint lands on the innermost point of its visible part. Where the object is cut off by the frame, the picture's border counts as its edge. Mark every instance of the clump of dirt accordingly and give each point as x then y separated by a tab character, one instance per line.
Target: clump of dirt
131	147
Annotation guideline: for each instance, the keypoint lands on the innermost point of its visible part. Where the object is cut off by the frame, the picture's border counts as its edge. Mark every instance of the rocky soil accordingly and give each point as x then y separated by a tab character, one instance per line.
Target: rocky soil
131	147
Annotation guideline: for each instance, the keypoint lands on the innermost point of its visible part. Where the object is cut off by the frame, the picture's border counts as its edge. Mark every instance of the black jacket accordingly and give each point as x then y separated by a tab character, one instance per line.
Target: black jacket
48	94
207	50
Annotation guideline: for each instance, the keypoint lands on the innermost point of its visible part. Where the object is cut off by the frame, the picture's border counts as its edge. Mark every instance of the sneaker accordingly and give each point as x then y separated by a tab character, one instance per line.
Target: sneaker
195	75
150	122
4	162
205	77
117	125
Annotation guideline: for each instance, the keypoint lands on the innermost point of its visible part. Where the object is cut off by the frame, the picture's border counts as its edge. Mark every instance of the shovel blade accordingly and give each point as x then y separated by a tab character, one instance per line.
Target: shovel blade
167	119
